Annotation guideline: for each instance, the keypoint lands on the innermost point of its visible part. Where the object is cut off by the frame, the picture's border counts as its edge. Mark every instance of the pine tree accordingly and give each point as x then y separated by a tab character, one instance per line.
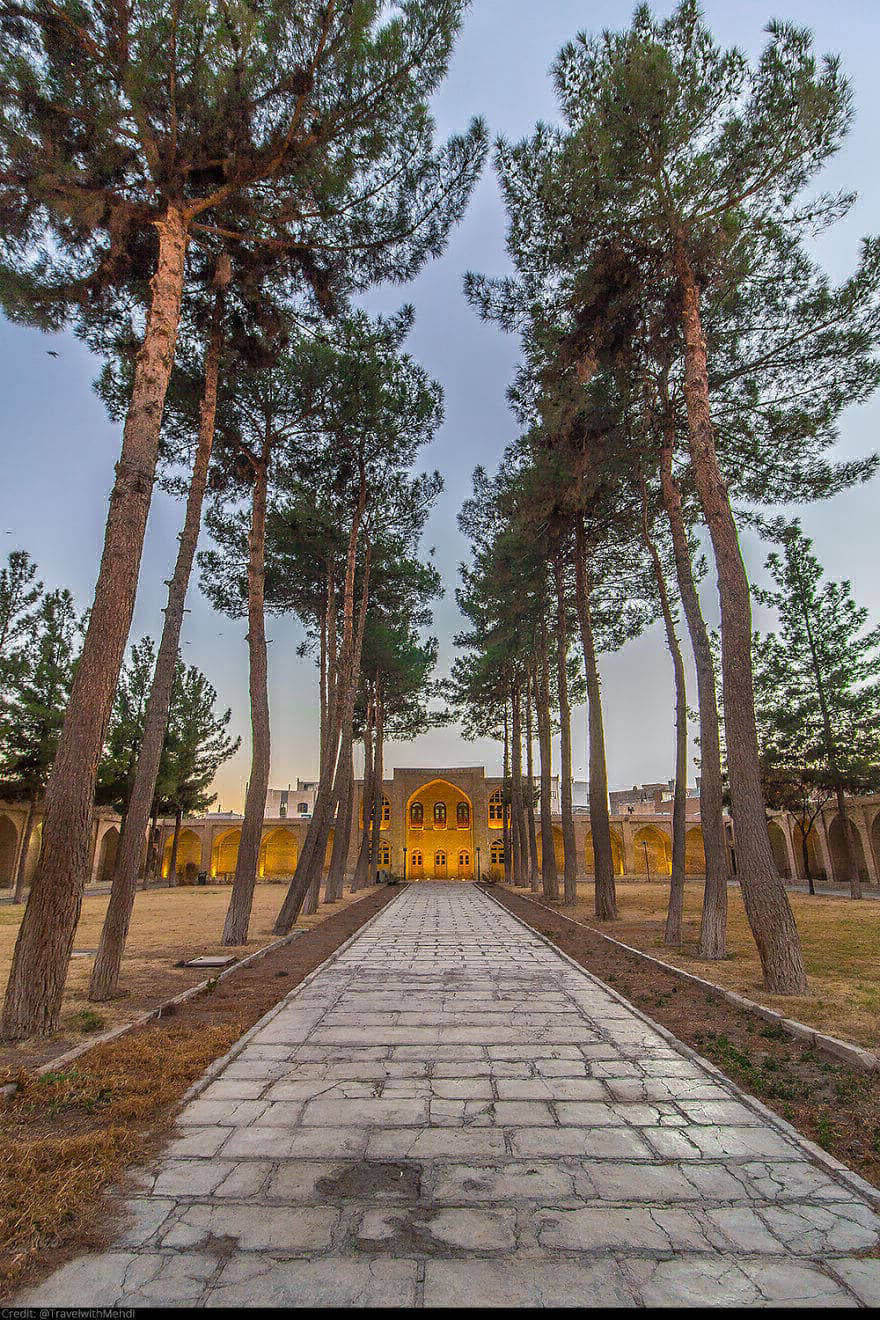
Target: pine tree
38	693
820	677
20	594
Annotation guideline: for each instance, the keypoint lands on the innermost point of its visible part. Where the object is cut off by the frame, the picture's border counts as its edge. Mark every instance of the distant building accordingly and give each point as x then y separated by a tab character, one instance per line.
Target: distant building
291	803
651	800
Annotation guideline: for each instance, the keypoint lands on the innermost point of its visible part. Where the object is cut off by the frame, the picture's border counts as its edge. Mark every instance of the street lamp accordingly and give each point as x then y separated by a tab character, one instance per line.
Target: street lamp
478	866
404	863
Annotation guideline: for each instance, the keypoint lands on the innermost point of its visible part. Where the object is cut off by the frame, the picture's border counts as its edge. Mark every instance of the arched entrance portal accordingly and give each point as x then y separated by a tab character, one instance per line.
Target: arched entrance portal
439	833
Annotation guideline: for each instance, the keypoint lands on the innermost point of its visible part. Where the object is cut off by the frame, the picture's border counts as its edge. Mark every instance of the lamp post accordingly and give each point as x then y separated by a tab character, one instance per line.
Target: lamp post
647	863
404	863
478	866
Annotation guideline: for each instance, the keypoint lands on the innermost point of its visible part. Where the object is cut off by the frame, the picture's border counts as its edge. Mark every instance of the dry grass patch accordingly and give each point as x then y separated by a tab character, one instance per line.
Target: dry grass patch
167	926
840	938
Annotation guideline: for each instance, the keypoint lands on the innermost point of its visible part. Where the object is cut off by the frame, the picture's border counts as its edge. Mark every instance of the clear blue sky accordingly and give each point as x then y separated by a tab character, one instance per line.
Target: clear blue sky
59	448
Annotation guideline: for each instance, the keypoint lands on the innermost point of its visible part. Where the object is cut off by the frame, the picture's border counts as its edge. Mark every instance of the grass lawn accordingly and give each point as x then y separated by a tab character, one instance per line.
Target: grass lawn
841	942
167	926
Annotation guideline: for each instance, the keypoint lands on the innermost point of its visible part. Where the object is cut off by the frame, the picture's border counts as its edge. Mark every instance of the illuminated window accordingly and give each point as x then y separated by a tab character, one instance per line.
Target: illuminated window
462	814
417	814
464	858
417	857
439	813
384	855
496	853
495	808
386	810
439	859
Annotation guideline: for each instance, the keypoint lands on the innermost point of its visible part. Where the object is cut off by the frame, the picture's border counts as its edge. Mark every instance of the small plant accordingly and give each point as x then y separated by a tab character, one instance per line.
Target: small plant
825	1133
774	1032
88	1020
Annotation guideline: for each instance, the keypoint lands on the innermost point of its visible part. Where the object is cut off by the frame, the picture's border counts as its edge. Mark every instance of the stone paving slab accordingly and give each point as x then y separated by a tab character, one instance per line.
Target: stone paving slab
450	1113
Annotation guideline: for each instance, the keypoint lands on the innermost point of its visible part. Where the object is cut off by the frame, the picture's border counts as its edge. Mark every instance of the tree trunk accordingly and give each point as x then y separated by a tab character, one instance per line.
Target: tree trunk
549	878
23	850
42	950
377	784
235	930
309	867
675	911
152	863
341	835
855	880
568	836
105	973
534	871
605	894
505	802
713	924
175	842
362	867
310	860
766	902
520	852
805	853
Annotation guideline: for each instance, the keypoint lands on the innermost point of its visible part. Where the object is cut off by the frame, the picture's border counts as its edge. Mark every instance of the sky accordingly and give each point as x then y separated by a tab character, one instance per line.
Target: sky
59	447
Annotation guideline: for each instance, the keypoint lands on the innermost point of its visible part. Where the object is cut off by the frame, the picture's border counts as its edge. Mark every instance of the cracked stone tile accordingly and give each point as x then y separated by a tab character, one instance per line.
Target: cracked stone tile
197	1142
861	1276
617	1142
190	1177
723	1281
144	1215
435	1143
254	1227
515	1181
329	1282
304	1143
430	1230
795	1180
813	1230
716	1142
621	1228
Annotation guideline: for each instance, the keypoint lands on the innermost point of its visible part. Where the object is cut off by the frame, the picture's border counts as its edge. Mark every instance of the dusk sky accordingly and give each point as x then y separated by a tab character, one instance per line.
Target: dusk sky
60	447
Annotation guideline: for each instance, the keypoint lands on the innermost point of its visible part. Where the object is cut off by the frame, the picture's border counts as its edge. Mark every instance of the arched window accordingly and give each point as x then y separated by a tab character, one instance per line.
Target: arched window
417	857
440	813
464	858
462	814
417	814
495	808
386	810
496	853
439	859
384	855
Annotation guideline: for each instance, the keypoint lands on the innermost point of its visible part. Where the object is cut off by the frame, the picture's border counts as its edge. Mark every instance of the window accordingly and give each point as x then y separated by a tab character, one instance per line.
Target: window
462	814
282	810
386	810
464	858
495	808
417	814
439	859
440	813
384	855
302	808
496	853
417	857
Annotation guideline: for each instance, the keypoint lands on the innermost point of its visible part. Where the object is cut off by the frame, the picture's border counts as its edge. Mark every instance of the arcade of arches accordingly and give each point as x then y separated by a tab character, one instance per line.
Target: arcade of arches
448	823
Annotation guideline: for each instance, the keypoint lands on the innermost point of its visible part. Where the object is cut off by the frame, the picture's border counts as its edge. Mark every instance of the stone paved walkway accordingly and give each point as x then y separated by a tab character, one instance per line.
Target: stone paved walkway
450	1113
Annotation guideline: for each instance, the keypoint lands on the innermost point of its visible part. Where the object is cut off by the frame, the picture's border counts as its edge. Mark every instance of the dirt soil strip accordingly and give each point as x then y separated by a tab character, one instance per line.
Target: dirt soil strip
68	1137
833	1104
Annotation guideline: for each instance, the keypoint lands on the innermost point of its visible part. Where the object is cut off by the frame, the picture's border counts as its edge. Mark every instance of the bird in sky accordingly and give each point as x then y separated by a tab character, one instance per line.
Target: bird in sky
51	352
